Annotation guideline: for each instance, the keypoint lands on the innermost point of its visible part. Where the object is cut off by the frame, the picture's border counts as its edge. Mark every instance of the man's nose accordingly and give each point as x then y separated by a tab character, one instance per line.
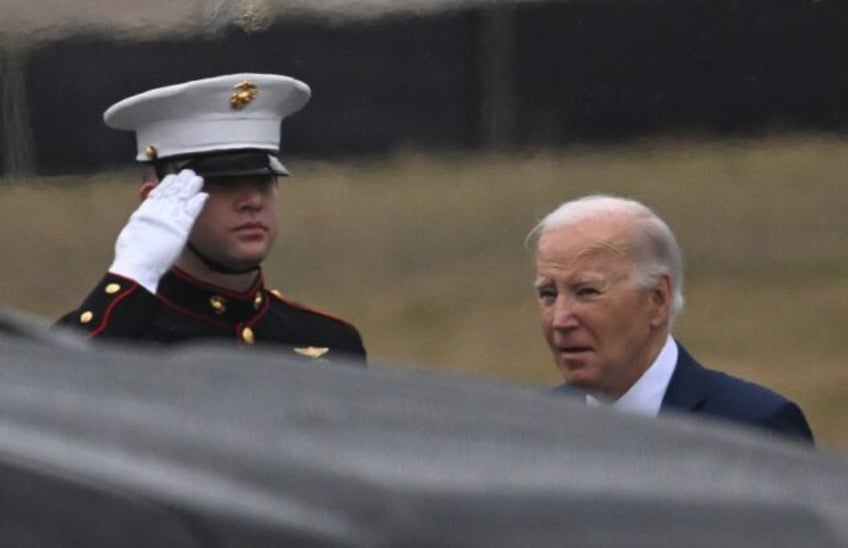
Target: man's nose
250	197
564	314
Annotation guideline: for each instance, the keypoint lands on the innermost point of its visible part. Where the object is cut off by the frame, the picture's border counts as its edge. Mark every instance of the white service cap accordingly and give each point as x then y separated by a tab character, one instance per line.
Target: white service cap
226	113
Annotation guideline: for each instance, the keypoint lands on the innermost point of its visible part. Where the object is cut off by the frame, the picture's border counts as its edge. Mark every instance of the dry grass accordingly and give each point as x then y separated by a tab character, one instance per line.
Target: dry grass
425	254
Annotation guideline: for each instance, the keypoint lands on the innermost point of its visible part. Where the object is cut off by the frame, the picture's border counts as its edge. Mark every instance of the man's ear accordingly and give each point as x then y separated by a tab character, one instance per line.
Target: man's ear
145	188
661	299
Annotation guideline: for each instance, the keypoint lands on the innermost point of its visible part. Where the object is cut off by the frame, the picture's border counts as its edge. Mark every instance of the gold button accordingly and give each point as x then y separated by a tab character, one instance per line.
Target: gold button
247	335
218	304
113	288
277	293
151	152
86	316
257	301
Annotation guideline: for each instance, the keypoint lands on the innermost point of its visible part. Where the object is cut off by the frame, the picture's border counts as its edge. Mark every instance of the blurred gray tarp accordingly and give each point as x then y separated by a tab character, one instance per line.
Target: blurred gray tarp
212	446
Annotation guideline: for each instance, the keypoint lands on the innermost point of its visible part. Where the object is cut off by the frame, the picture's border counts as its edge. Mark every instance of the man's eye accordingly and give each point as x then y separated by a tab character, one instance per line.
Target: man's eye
216	182
264	182
546	295
588	291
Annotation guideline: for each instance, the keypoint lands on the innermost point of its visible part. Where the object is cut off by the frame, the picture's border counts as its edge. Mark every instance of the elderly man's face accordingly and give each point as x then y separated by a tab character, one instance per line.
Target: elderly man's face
603	331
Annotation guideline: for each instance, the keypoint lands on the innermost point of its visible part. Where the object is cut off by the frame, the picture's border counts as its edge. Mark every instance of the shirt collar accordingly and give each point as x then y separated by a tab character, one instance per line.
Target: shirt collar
646	395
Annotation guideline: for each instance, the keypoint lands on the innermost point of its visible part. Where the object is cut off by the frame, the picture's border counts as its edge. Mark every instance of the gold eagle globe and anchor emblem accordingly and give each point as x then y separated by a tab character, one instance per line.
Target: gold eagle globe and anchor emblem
245	92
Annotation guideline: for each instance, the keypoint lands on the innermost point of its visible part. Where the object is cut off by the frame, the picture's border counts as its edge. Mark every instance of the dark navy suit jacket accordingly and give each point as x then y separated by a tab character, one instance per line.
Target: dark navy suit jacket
695	389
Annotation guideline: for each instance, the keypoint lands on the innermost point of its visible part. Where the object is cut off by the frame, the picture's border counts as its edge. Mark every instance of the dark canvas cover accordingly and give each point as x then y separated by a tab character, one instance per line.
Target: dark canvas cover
222	446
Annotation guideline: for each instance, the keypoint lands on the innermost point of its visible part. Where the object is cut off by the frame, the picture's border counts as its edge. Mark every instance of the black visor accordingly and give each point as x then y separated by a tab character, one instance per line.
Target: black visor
229	164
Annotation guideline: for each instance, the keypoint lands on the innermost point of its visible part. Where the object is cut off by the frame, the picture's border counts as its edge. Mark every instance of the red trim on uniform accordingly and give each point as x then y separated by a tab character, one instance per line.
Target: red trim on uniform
294	304
206	319
191	313
182	274
108	312
266	304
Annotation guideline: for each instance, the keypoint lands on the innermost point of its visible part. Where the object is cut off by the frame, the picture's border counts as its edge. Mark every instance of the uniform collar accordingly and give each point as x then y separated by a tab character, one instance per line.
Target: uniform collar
199	298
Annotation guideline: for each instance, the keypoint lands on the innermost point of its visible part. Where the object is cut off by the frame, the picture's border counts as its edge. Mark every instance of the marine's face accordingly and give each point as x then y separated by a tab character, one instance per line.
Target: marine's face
602	330
238	224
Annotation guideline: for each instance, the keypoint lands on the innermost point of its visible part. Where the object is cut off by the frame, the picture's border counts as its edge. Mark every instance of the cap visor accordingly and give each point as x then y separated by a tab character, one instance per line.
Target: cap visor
235	165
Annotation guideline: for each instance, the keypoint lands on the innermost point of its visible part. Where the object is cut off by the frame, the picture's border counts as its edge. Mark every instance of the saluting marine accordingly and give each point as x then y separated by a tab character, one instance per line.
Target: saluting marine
187	265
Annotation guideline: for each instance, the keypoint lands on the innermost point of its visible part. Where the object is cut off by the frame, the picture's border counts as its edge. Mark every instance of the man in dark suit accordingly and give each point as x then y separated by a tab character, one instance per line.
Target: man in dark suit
609	278
187	265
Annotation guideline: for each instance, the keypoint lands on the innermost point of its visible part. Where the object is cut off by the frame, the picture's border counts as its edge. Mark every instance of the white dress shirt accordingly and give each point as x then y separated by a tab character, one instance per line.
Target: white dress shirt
646	394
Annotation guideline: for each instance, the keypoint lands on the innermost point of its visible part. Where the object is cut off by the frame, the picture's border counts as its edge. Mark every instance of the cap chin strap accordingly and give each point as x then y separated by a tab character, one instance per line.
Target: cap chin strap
218	267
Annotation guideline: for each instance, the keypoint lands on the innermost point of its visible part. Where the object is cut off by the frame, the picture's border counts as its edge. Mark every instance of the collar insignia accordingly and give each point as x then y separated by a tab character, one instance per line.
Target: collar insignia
218	304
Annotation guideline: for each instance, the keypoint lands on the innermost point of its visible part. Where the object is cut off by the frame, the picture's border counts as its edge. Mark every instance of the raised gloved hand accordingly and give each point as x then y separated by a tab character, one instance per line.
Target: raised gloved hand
158	230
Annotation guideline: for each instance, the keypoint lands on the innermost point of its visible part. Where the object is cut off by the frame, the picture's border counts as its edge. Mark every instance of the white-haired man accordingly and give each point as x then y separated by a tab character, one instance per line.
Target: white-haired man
609	282
188	263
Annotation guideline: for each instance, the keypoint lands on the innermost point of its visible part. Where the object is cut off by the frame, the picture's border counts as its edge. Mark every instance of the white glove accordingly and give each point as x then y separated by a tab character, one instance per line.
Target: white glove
158	230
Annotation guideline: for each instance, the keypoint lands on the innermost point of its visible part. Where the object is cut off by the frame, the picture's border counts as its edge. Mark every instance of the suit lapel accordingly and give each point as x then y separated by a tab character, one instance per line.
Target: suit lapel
687	390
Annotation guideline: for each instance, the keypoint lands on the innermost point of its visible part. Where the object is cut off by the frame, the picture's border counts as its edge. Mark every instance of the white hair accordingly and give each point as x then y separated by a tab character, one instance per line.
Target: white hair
654	248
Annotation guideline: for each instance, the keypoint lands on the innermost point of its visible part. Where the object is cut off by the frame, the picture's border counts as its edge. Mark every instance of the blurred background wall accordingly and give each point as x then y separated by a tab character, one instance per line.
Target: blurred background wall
493	75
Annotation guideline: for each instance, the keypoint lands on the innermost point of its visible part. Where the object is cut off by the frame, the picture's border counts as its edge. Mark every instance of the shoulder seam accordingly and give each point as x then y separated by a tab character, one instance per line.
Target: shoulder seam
305	308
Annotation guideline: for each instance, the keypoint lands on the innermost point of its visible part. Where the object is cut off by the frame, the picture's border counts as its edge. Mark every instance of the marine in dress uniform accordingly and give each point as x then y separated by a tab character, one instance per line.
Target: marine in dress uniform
188	263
